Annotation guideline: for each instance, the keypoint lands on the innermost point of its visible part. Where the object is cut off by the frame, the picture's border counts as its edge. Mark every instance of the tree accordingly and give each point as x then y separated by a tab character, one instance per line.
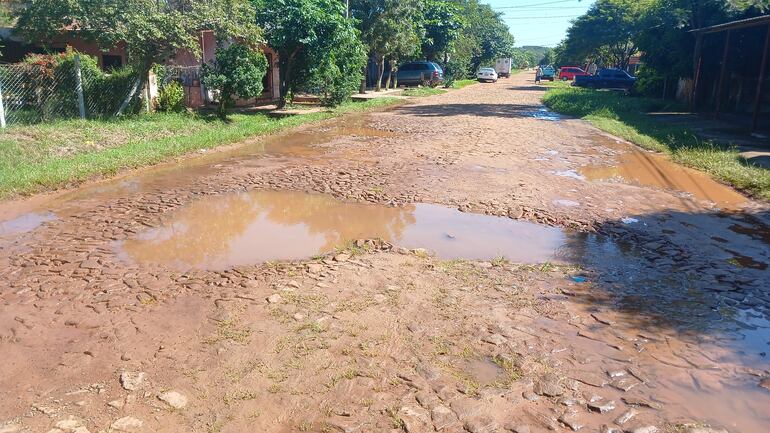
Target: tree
153	30
484	37
237	71
441	23
606	33
313	40
389	29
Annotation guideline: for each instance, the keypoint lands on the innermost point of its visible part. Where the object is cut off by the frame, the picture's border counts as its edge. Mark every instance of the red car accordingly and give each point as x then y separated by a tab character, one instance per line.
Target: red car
570	72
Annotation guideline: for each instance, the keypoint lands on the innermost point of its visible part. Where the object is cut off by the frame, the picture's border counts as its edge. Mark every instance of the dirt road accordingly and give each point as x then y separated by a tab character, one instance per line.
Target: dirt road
466	262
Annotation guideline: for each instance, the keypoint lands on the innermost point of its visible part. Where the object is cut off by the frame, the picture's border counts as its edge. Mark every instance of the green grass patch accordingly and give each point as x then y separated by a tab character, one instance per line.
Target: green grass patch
626	116
48	156
422	91
459	84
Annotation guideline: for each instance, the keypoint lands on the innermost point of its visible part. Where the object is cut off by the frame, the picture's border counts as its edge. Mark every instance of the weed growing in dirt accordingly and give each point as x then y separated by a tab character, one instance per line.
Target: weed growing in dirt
228	330
627	117
420	92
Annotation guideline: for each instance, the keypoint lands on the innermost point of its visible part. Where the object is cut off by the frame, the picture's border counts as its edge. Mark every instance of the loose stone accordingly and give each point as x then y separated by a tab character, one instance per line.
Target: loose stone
626	416
127	424
132	381
173	399
602	407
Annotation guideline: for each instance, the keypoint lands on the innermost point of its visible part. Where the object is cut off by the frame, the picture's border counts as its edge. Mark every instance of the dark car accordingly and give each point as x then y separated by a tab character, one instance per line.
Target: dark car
610	78
414	73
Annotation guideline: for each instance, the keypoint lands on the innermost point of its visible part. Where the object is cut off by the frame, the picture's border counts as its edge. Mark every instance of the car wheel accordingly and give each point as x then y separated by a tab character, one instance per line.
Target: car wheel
564	79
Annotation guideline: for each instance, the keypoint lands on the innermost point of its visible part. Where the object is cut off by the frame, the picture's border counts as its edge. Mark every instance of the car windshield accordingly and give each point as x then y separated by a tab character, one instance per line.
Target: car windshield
487	70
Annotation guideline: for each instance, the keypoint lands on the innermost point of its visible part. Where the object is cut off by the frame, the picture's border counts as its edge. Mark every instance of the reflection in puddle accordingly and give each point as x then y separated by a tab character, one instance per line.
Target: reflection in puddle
248	228
654	170
542	114
25	223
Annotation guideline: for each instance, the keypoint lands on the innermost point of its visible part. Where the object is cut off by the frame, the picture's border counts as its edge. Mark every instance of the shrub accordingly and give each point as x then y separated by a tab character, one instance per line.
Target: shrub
237	71
171	98
339	74
53	77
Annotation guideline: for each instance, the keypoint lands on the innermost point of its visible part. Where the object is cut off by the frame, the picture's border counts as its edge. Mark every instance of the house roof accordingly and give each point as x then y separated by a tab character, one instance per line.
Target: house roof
738	24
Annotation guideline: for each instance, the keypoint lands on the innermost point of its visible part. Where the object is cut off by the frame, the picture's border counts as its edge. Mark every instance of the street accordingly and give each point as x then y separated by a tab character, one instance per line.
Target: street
466	262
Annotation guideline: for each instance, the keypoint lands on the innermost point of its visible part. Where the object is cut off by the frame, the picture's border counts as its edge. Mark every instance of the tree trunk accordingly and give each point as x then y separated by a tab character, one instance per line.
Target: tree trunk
286	74
390	75
363	80
380	72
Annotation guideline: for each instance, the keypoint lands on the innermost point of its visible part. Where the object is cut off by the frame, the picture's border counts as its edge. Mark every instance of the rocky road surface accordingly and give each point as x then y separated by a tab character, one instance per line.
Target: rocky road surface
655	317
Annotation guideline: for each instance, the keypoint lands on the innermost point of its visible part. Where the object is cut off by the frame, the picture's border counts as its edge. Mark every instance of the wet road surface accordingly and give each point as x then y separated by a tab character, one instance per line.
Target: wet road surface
595	268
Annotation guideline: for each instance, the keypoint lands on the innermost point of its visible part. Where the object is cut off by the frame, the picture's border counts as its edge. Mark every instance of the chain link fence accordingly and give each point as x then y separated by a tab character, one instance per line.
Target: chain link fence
32	94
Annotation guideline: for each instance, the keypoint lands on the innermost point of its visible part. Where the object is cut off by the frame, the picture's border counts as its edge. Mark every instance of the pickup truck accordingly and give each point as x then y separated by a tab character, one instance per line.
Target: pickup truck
606	79
548	73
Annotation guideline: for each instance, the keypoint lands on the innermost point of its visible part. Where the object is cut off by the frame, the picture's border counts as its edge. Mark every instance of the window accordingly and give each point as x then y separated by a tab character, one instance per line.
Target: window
110	62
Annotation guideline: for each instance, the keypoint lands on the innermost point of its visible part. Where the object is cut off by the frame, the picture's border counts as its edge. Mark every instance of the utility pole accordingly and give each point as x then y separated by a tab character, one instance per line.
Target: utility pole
347	8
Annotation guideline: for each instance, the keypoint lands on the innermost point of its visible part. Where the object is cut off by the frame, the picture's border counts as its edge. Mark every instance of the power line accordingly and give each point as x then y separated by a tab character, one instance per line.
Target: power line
541	18
534	4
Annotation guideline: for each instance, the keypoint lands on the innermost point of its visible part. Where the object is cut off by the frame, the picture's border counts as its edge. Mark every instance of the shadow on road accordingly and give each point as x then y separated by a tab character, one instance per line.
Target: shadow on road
701	274
481	110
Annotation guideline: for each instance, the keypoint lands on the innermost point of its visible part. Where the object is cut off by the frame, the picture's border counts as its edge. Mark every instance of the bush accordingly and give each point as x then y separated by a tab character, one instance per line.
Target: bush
237	71
171	98
55	77
339	75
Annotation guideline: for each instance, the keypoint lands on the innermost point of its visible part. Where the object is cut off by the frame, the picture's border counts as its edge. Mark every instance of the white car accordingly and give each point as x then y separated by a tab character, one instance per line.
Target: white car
487	74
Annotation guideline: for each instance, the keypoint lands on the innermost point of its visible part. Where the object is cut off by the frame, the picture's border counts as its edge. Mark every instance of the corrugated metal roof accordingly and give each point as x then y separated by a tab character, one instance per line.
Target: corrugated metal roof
748	22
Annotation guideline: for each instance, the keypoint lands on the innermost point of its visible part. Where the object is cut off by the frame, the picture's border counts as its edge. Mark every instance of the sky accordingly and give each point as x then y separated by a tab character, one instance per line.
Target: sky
539	22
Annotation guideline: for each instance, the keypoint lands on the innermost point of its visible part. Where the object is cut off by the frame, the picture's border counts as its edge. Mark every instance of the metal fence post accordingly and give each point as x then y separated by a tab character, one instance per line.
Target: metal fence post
2	108
79	88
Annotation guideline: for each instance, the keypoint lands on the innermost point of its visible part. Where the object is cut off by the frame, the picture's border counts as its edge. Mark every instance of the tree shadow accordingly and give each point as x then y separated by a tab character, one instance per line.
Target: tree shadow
699	274
534	88
480	110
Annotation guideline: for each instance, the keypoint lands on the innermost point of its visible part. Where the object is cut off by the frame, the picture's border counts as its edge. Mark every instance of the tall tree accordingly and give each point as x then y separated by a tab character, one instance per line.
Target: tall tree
310	36
389	29
607	31
441	21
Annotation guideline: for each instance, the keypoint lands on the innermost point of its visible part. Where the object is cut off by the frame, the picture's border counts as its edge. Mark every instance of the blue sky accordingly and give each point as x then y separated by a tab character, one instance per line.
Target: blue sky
539	22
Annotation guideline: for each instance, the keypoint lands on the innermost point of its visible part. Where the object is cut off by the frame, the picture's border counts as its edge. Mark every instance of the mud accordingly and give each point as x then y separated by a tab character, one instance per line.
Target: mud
654	170
250	228
646	316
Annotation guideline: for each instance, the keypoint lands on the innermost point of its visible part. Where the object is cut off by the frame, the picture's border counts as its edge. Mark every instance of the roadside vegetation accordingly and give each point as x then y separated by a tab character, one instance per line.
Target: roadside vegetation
422	91
459	84
52	155
627	117
322	51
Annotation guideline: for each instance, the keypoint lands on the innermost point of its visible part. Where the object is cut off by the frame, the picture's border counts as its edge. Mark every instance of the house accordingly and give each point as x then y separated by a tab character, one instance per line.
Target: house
184	67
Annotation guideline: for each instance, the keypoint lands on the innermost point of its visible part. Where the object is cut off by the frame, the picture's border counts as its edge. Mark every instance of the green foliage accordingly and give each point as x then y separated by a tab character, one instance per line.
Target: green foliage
441	24
523	58
153	30
316	45
56	73
237	72
484	37
338	75
606	33
389	28
171	98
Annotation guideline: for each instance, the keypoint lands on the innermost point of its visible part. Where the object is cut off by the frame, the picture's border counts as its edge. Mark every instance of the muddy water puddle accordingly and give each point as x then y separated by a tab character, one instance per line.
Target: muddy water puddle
248	228
654	170
25	223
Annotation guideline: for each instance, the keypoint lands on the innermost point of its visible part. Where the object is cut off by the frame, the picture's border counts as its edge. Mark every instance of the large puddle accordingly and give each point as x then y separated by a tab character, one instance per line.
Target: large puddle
258	226
650	169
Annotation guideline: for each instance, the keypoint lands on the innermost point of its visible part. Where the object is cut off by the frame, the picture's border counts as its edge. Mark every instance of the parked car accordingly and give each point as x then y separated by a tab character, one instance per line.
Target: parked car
548	73
567	73
414	73
487	74
609	78
503	67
